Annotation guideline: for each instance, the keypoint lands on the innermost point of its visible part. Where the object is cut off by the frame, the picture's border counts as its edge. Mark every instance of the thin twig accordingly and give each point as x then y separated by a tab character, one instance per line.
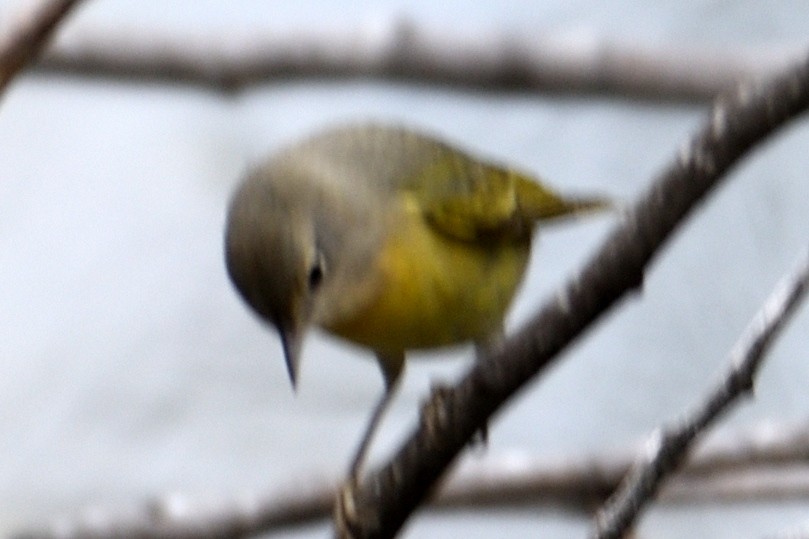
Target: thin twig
23	42
403	51
767	463
380	504
668	446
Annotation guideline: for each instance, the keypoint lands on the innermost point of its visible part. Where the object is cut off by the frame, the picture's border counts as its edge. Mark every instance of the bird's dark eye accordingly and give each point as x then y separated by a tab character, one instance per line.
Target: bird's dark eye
315	276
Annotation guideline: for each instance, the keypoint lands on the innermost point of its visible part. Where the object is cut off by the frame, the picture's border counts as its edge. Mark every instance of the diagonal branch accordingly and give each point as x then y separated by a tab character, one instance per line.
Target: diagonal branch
668	447
380	504
24	42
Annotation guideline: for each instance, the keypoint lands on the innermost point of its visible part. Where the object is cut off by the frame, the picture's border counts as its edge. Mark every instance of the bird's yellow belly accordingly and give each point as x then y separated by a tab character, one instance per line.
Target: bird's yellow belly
435	291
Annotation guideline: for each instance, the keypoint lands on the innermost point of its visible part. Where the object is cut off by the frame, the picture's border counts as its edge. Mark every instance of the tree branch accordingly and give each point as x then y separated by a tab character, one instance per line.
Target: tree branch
402	51
668	447
767	464
381	503
23	42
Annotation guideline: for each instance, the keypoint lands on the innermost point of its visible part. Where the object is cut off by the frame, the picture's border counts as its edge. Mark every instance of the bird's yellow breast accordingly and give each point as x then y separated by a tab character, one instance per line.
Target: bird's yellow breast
434	290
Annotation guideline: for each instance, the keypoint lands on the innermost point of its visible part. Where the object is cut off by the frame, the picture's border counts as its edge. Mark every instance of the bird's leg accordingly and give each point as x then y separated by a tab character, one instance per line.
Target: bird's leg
391	370
432	409
347	514
373	424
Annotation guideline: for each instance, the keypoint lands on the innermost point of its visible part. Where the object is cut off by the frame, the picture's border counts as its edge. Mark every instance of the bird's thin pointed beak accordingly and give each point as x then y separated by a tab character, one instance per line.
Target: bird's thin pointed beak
291	341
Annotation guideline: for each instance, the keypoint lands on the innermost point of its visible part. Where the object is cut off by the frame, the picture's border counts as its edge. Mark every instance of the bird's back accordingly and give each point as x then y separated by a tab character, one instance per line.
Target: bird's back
369	155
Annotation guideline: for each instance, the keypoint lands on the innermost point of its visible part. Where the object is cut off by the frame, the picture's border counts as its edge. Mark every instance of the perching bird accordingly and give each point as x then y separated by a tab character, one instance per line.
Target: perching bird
388	238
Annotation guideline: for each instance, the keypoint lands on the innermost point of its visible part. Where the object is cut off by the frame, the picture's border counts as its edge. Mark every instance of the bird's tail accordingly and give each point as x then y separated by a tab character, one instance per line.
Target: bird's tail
540	203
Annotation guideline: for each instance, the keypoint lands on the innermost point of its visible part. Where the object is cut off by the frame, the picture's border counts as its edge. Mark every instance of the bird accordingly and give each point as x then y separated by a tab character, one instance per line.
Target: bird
387	237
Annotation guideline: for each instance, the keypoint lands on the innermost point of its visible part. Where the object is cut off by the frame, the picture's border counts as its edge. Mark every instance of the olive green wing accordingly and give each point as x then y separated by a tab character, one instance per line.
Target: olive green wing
472	200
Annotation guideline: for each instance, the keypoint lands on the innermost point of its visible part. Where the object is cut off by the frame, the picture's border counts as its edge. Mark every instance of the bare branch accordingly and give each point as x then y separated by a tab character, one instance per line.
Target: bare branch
181	518
768	445
668	447
402	51
767	464
379	505
22	43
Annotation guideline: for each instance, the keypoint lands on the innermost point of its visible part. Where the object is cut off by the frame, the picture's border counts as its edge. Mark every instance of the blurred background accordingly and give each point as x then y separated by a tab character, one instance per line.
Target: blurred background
130	369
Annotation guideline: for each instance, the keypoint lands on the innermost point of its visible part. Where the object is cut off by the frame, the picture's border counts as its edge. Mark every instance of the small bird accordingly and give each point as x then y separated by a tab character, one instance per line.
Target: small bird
388	238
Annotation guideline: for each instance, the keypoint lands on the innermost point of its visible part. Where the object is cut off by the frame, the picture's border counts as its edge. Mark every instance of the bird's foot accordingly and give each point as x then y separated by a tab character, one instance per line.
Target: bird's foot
434	414
434	409
347	515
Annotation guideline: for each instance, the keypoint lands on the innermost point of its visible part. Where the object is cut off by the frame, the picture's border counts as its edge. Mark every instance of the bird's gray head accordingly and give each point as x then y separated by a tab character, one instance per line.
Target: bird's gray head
272	255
